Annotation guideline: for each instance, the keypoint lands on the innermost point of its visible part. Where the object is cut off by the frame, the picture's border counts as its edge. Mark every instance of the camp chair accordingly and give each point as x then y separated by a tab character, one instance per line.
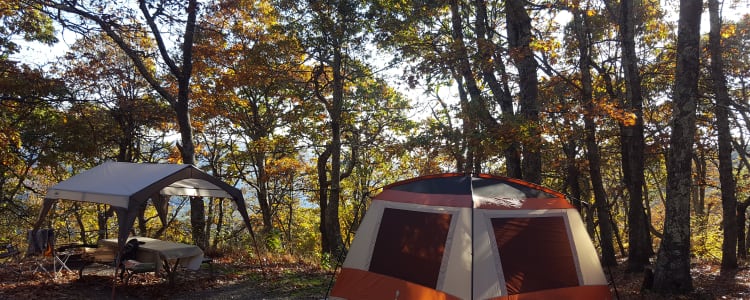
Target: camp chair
129	266
76	257
42	248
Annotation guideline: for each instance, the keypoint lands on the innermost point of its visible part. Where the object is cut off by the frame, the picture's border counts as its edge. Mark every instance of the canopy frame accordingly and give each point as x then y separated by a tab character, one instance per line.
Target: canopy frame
174	182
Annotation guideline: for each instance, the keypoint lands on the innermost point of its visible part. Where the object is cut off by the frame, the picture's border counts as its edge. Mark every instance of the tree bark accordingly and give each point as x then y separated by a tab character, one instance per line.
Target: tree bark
103	214
466	157
335	240
742	239
519	40
219	211
672	272
473	110
336	25
741	230
639	238
323	184
262	189
728	198
572	174
182	109
592	147
700	165
500	91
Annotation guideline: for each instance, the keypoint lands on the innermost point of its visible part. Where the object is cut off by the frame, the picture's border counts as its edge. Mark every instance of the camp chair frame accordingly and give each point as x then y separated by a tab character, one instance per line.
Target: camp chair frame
42	246
76	257
132	267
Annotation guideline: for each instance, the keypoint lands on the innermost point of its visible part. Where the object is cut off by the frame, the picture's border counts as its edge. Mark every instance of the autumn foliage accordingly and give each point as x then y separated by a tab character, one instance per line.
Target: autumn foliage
310	107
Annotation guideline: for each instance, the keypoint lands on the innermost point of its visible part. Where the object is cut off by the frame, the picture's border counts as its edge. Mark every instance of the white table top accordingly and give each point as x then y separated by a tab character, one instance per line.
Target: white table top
190	256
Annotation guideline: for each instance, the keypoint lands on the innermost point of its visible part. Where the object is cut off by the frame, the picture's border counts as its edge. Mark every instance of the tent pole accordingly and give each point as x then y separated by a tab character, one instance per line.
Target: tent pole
471	186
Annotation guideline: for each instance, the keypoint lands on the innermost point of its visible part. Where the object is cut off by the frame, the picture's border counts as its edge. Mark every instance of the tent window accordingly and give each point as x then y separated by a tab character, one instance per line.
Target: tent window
535	254
410	245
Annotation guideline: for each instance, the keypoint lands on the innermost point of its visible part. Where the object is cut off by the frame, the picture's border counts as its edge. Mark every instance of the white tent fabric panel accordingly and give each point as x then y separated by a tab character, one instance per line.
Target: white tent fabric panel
195	187
81	195
361	249
588	260
488	275
458	255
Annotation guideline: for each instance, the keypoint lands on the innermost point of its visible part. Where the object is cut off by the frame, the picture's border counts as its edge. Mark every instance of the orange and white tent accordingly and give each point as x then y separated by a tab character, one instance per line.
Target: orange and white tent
458	236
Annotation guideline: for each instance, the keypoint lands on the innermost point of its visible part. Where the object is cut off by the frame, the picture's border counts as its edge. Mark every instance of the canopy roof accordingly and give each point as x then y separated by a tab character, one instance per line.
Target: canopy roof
127	186
120	183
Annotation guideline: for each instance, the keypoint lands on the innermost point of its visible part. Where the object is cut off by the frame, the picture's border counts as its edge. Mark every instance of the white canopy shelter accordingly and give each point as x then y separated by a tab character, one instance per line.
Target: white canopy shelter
127	186
118	183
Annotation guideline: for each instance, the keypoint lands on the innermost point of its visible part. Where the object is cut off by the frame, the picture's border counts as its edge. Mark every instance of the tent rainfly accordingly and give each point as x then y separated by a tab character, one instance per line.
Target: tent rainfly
127	186
456	236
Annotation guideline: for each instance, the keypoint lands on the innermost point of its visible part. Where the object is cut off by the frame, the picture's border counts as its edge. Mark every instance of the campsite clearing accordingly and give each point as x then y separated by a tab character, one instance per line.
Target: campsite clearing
235	278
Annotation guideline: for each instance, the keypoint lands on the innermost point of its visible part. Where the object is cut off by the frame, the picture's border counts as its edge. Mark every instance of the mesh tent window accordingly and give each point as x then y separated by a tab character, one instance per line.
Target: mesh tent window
535	254
410	245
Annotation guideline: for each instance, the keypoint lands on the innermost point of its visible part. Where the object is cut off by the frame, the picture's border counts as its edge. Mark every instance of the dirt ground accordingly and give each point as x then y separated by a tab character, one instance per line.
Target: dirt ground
227	281
237	279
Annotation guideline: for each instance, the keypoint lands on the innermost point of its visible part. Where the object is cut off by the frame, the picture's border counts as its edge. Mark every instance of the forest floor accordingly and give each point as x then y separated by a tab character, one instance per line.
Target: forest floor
288	279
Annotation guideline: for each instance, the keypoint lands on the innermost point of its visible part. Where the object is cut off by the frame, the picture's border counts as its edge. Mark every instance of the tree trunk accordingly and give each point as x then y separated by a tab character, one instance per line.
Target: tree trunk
333	227
672	272
103	214
187	150
639	239
572	174
79	221
700	163
262	190
209	221
181	107
290	224
500	91
323	184
337	25
142	220
219	224
592	153
467	156
741	230
512	152
473	110
728	198
519	40
198	222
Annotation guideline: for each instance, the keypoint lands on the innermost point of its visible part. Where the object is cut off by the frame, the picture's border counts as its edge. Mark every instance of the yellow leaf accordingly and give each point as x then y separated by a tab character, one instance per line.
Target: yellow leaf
728	31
